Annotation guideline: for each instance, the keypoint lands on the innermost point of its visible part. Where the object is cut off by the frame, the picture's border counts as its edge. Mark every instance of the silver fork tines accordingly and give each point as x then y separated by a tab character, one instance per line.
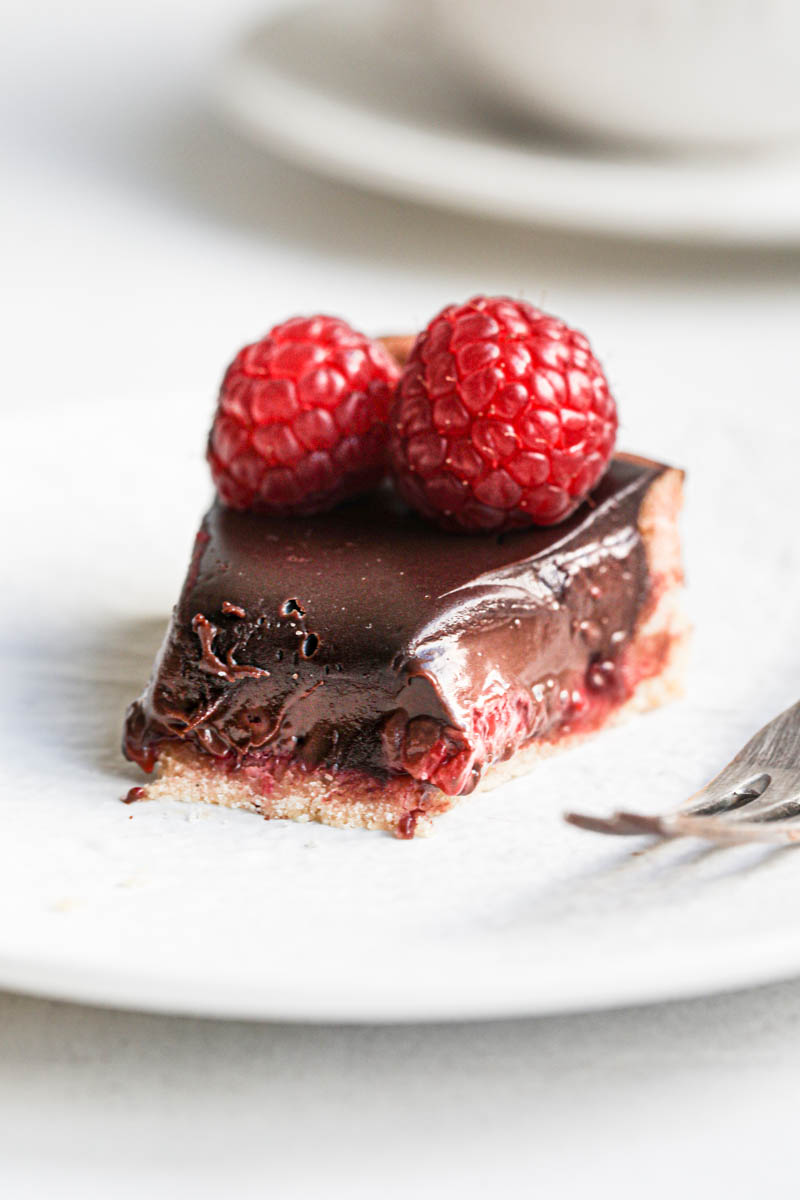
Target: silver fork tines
756	798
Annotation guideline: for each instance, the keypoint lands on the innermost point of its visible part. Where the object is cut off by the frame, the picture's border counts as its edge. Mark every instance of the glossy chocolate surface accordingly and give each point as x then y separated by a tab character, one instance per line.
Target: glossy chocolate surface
305	639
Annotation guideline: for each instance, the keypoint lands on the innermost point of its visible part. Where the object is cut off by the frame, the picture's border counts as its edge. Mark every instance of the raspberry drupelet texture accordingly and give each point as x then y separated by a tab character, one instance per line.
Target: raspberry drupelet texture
301	418
502	418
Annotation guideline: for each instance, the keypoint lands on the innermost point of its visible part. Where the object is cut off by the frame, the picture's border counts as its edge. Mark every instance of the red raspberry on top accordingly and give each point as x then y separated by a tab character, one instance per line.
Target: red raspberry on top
502	418
301	419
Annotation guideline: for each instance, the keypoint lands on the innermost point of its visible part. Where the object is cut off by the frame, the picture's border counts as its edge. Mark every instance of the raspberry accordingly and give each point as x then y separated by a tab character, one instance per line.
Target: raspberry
502	418
301	418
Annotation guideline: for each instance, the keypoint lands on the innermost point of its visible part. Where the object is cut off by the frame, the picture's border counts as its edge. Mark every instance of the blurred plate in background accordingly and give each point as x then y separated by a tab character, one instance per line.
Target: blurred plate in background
364	93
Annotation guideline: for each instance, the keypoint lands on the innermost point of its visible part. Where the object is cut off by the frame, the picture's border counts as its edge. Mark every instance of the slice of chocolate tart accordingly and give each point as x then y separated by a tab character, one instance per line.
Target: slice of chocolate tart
364	668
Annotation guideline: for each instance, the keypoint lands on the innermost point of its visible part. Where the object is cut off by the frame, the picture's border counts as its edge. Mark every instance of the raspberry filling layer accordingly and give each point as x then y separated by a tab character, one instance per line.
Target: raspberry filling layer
366	641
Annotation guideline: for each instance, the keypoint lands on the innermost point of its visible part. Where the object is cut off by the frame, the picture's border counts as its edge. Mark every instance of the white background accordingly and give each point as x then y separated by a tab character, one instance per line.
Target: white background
140	246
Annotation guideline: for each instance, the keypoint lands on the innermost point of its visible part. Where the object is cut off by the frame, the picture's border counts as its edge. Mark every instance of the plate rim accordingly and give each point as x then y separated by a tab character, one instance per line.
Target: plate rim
72	981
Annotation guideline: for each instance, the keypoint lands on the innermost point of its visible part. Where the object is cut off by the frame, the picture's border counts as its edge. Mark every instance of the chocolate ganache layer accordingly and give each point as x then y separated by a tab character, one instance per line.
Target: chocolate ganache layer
366	639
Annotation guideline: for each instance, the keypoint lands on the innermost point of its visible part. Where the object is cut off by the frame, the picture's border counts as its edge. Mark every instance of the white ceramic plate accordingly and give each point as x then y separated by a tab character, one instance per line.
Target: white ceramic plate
360	92
503	910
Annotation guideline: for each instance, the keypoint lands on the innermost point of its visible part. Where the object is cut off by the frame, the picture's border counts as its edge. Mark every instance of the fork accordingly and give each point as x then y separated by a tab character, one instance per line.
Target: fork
756	798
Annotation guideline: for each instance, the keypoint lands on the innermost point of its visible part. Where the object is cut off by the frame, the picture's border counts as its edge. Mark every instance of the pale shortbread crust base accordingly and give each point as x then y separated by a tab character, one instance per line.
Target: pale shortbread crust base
358	801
